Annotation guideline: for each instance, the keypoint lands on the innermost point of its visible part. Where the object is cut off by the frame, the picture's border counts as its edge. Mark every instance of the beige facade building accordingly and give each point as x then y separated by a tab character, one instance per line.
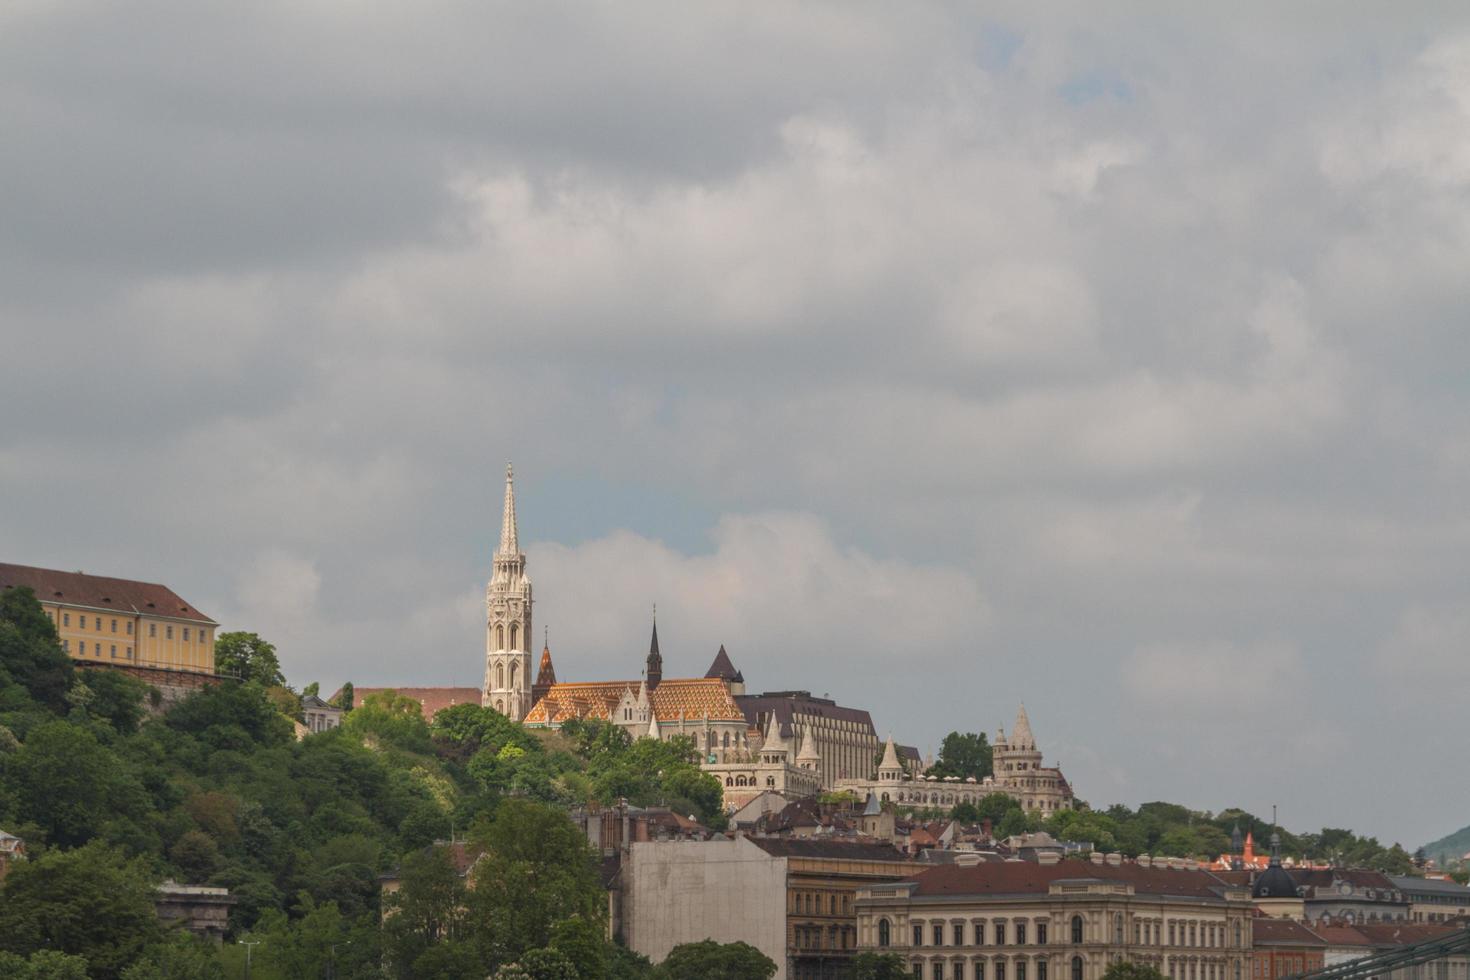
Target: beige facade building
120	622
1018	773
1059	920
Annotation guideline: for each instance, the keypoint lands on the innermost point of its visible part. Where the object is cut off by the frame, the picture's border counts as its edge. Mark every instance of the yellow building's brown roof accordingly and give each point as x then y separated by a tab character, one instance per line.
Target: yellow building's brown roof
692	698
101	592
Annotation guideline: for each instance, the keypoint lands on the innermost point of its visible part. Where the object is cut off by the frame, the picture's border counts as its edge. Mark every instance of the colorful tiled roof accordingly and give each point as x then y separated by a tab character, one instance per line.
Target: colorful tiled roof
692	698
101	592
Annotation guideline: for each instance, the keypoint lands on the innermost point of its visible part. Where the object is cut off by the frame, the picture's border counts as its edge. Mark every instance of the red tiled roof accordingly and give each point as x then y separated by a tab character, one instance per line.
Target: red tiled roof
1023	877
1388	934
1341	936
1283	932
431	700
101	592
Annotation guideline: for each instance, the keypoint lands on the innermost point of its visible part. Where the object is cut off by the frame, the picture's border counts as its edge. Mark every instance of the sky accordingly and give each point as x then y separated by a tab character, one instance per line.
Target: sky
934	357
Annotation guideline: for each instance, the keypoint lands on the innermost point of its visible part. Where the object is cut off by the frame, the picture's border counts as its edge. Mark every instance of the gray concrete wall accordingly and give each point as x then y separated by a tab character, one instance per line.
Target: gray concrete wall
686	891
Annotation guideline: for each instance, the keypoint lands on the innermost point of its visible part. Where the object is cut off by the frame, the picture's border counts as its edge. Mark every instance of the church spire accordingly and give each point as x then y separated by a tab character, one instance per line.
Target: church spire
654	671
508	543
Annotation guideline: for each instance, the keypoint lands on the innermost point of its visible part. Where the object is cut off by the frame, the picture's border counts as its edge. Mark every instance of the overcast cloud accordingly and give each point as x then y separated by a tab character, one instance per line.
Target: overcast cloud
936	357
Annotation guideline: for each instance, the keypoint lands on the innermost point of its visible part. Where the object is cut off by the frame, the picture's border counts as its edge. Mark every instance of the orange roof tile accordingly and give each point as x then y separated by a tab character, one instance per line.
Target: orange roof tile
691	697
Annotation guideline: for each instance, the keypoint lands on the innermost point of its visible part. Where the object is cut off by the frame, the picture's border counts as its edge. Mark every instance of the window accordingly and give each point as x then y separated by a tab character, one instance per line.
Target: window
939	933
168	632
959	970
1237	939
66	619
918	971
918	933
1118	928
937	970
1171	933
979	970
152	629
1000	932
114	651
1041	933
980	932
1041	970
1192	934
1020	935
202	637
114	626
1020	970
66	645
97	649
883	932
959	934
831	899
1077	931
1076	968
186	634
1000	970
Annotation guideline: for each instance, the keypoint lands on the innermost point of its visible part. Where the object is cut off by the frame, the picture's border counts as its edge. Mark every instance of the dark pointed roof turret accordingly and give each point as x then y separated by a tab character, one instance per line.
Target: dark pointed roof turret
722	668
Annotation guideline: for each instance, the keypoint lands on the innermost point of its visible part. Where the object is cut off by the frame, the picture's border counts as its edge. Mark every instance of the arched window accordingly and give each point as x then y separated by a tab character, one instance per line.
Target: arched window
515	637
1118	928
500	676
1077	964
515	677
500	637
1076	936
770	780
729	781
884	935
726	742
500	706
1237	941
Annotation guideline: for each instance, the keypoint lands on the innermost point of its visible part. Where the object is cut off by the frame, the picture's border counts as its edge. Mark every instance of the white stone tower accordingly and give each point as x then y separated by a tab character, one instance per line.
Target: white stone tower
508	621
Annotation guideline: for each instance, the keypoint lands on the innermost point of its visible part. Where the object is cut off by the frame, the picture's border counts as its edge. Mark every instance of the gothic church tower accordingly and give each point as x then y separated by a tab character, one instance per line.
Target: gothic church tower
508	621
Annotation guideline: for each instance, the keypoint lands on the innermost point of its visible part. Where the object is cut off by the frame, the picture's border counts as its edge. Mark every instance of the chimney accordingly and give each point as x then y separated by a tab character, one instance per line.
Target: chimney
967	859
1097	857
1048	857
1115	859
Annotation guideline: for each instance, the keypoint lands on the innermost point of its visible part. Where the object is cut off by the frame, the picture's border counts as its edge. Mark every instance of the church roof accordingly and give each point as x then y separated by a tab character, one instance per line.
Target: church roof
508	543
546	676
723	668
785	705
890	756
694	698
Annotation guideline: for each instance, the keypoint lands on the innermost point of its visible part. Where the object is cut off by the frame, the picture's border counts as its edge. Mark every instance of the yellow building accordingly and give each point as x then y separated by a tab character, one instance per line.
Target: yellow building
118	621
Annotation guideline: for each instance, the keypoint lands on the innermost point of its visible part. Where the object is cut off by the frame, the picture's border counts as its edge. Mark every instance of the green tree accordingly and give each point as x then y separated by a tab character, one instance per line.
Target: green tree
537	870
1128	970
879	966
539	964
45	965
963	755
182	957
582	943
709	960
249	657
345	698
995	807
388	718
69	784
30	653
91	902
427	909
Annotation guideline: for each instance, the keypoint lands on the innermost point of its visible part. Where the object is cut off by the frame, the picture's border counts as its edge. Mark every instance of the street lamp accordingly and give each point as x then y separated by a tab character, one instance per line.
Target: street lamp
332	962
249	945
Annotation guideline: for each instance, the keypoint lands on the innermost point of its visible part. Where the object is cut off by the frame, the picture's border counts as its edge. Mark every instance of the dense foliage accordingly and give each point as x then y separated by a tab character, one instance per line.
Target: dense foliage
963	754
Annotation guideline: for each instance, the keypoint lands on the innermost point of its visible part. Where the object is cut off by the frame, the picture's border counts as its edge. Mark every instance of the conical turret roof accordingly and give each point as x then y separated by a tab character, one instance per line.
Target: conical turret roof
1021	736
808	751
722	668
890	755
509	545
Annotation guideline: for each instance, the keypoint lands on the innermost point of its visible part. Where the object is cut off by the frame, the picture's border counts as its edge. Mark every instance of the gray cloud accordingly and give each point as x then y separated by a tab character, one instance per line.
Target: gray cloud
939	361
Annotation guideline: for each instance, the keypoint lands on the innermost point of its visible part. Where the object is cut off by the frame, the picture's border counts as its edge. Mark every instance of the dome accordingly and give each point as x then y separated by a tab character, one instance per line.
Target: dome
1274	882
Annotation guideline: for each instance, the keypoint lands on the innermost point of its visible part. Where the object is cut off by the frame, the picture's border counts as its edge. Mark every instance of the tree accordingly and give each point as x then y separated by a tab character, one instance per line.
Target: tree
390	718
427	909
879	966
69	784
344	699
963	755
709	960
1127	970
539	964
537	870
995	806
248	657
183	957
91	902
30	653
45	965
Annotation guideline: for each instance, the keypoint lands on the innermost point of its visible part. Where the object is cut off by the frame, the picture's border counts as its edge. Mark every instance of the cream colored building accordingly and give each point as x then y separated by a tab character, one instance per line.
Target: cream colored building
1058	920
120	622
1018	774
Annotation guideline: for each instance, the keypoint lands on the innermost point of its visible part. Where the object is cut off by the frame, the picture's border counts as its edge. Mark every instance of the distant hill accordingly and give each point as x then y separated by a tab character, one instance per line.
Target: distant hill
1451	847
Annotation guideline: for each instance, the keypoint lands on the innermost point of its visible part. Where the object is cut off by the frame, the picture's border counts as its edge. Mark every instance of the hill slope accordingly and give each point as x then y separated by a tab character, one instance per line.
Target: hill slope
1451	846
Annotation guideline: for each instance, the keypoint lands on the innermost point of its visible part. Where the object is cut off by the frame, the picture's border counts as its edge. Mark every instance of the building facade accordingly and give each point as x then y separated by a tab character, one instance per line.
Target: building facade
843	739
319	716
508	680
794	900
1283	948
120	622
1018	773
1059	920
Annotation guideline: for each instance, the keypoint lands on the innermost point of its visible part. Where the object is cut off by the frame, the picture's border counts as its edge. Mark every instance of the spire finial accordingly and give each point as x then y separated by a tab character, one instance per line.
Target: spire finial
508	538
